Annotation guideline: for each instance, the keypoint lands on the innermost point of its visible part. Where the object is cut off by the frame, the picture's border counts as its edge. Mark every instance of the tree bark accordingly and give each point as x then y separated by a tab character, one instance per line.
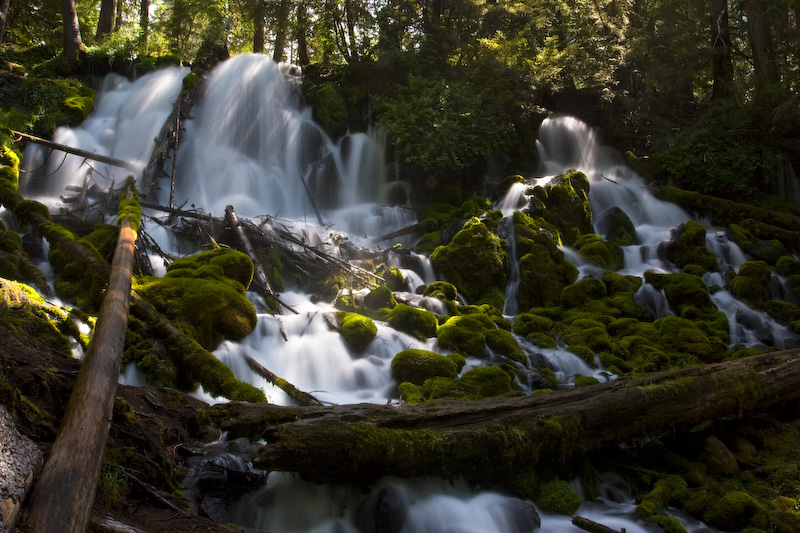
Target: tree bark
301	32
72	32
280	31
144	25
722	67
499	440
105	24
3	17
64	495
760	36
258	26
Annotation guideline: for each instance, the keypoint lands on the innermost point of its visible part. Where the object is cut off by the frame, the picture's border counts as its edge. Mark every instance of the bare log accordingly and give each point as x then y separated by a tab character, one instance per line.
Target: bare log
64	495
302	398
82	153
499	440
591	526
260	276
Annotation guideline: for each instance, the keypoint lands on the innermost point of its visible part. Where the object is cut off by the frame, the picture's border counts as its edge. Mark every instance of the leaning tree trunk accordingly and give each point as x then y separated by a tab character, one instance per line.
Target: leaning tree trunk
72	32
504	440
105	24
64	495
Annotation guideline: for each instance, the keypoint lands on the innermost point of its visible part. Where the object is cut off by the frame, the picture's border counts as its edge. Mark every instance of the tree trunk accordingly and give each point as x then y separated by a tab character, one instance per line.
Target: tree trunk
722	67
105	24
301	30
502	440
258	26
760	36
65	493
144	25
3	17
280	31
351	16
118	18
72	32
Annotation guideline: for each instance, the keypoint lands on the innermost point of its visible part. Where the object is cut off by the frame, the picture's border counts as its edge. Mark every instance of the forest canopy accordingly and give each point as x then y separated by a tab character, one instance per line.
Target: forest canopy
708	90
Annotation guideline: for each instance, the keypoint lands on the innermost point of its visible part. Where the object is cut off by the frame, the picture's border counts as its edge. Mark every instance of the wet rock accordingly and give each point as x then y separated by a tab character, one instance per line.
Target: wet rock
19	461
718	458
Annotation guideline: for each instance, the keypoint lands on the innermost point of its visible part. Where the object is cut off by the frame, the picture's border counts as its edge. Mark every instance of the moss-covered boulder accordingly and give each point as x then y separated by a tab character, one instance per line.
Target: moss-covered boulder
488	380
688	342
557	496
544	271
416	322
475	262
688	247
566	199
688	297
441	290
752	283
503	343
380	298
582	291
358	330
466	334
415	366
205	293
615	226
604	254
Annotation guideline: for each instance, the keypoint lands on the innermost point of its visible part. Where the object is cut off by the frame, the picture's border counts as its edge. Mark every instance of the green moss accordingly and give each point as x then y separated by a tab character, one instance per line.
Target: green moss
604	254
752	283
475	263
663	494
27	315
503	343
528	324
688	246
567	201
440	387
442	290
544	270
458	359
129	205
410	393
681	336
667	524
488	380
29	211
103	239
616	227
358	330
558	497
416	366
394	279
582	291
221	264
380	297
585	381
733	512
416	322
465	334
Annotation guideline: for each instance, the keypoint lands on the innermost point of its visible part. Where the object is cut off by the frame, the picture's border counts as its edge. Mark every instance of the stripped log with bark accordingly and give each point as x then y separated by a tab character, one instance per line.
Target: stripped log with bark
504	440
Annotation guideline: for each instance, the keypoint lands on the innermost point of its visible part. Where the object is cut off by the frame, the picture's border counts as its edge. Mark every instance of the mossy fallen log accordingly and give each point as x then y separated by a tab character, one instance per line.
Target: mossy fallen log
505	441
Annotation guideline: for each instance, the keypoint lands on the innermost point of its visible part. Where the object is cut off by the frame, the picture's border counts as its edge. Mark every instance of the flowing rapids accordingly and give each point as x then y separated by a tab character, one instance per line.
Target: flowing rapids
252	146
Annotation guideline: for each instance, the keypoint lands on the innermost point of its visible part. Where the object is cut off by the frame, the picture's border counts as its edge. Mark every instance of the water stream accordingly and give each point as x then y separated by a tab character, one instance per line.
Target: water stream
251	145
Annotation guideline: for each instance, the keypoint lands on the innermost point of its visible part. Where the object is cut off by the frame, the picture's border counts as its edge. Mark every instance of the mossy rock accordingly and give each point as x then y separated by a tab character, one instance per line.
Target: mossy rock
394	279
685	293
568	207
441	387
221	264
752	283
380	297
528	324
441	290
688	246
585	381
663	495
103	239
667	524
615	226
582	291
411	393
735	511
604	254
558	497
590	333
475	262
544	269
503	343
28	315
198	292
682	336
465	334
417	322
415	366
358	330
488	380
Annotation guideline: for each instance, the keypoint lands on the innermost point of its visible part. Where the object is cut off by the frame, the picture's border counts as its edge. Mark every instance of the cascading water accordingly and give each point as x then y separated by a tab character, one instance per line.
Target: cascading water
251	146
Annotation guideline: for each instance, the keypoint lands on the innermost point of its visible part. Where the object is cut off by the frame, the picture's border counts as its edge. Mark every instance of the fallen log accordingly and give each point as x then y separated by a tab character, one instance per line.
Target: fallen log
260	277
302	398
77	151
63	497
503	440
592	527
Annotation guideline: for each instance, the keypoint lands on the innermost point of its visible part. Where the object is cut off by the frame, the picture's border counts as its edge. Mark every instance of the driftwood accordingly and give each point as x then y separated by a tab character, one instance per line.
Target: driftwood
76	151
591	526
302	398
63	497
496	440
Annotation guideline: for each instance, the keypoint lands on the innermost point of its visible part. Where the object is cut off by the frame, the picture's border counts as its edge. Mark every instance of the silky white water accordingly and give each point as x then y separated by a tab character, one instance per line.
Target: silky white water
251	145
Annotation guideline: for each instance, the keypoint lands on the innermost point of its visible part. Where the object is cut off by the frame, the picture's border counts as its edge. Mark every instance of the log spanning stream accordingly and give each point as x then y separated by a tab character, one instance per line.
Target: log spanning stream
250	145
